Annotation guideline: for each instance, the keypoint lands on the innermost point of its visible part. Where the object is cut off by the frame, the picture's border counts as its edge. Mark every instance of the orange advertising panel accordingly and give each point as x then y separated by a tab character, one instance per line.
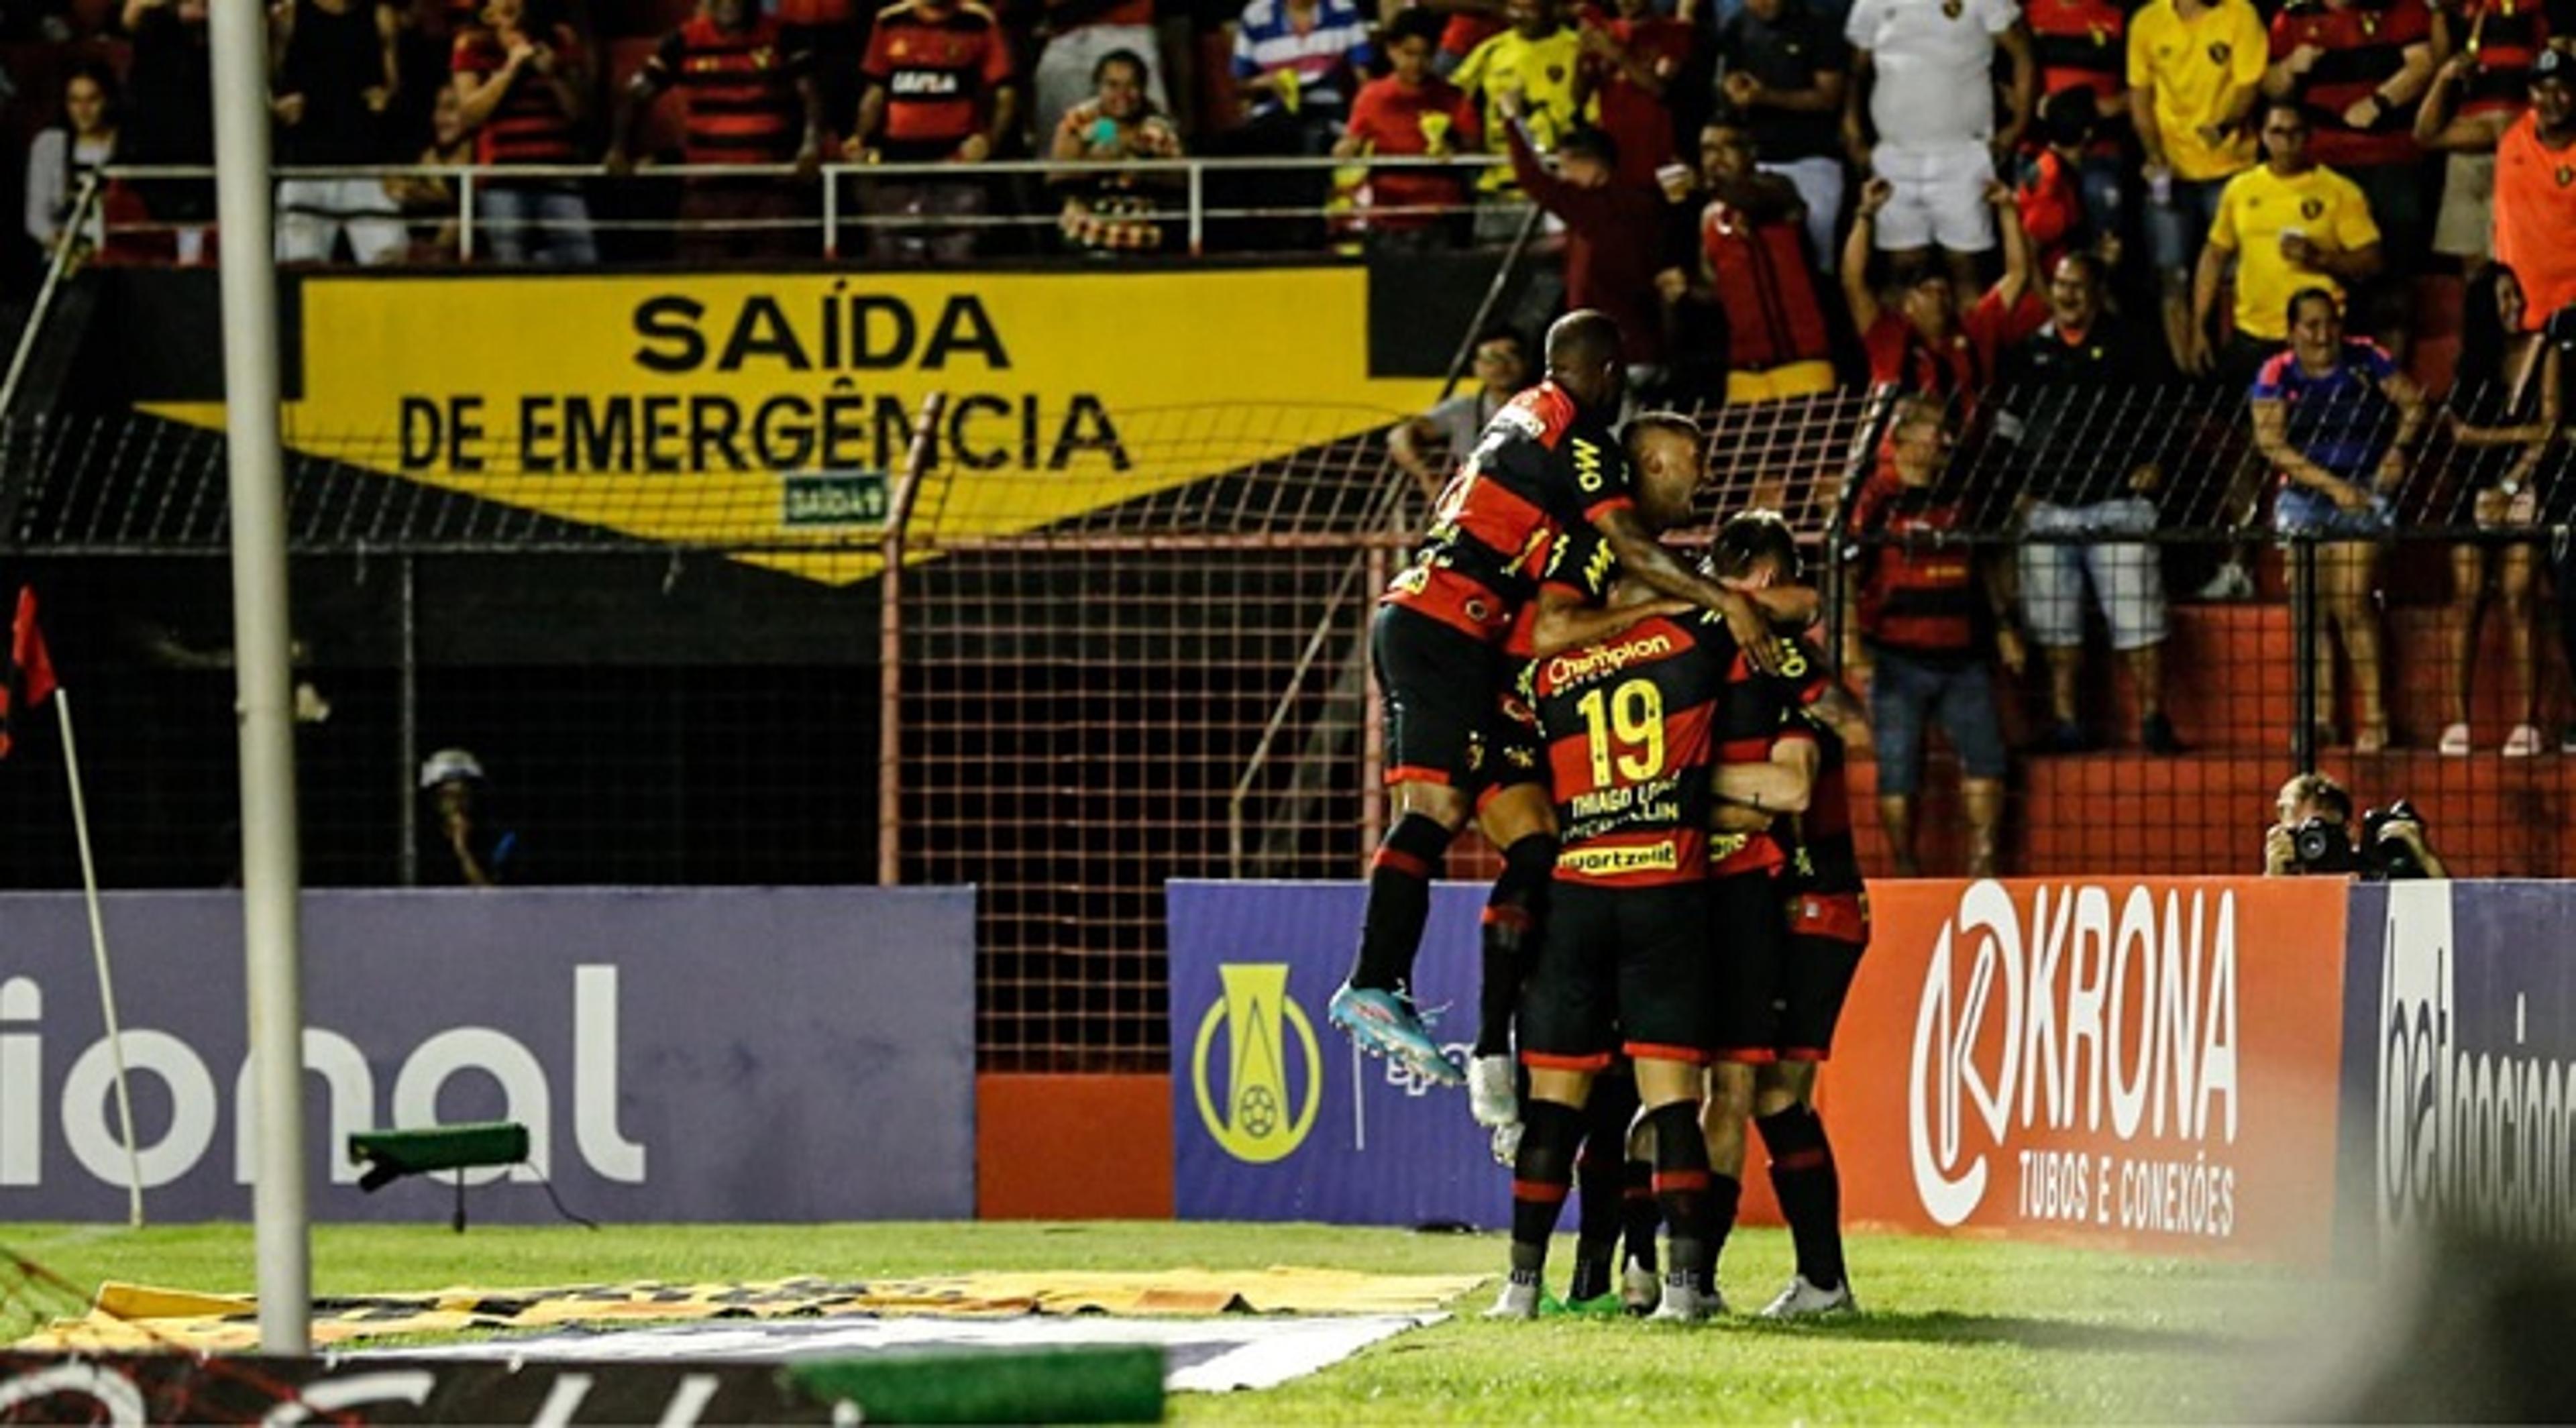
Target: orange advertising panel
2148	1064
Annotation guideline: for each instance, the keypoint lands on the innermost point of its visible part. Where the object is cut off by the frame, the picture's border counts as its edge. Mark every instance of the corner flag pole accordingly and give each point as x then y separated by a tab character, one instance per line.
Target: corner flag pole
98	948
262	674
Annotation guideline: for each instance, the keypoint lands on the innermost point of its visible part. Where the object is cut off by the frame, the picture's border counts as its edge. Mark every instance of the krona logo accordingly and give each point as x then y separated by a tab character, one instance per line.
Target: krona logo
2138	1010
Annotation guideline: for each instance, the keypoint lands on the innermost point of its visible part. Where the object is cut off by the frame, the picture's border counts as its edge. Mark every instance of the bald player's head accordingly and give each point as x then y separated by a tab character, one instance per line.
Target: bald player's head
1583	357
1666	451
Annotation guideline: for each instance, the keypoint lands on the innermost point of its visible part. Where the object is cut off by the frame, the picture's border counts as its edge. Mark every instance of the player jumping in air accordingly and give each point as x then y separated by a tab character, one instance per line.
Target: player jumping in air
1546	464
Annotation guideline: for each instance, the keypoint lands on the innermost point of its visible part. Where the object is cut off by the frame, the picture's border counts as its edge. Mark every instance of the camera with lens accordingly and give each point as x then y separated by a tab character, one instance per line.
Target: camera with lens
2385	855
2321	846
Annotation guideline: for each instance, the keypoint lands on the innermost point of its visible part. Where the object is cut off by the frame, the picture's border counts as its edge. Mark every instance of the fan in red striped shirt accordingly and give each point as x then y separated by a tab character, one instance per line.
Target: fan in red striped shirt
940	90
749	100
2358	70
522	89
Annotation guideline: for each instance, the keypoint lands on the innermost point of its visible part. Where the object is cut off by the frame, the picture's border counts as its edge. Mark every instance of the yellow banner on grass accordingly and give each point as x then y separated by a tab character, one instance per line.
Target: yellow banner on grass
771	410
128	1317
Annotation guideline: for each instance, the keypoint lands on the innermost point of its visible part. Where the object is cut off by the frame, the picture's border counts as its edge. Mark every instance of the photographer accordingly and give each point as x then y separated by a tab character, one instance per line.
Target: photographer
2313	836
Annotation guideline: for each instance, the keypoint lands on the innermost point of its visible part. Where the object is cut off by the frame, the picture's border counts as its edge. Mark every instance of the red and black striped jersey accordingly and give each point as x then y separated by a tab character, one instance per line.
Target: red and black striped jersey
1541	468
941	67
2080	44
740	88
531	125
1628	723
1580	564
1918	588
1825	858
2505	37
2362	47
1754	714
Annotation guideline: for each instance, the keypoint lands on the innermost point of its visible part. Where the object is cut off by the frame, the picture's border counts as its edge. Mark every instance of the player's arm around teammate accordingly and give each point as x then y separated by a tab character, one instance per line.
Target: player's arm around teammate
1752	797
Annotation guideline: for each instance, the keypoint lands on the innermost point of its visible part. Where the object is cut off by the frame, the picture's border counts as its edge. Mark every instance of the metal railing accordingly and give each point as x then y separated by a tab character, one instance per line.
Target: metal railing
839	189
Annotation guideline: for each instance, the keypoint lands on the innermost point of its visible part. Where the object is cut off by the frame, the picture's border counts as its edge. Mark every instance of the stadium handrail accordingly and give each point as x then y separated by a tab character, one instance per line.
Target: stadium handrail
1191	173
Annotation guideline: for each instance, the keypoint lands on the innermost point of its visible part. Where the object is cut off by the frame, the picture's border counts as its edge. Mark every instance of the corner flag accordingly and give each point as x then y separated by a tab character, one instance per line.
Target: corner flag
28	678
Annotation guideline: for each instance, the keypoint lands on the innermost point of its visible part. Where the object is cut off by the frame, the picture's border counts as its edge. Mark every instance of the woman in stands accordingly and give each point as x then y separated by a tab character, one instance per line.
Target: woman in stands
2336	419
61	157
2503	410
1110	209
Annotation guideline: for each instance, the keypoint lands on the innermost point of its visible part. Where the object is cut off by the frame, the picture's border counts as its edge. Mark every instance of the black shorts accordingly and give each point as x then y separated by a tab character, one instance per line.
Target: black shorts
1748	936
1444	693
1815	980
1620	968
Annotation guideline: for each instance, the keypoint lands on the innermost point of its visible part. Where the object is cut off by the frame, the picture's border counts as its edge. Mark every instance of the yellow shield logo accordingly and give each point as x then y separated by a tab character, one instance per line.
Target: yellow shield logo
1258	1123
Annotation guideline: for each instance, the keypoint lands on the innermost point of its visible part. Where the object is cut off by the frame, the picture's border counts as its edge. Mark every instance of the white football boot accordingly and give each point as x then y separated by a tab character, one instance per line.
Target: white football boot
1640	1289
1683	1304
1517	1301
1803	1300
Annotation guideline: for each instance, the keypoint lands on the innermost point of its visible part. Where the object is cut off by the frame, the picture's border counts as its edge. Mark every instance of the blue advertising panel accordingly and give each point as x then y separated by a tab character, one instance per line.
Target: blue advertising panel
1274	1116
782	1054
2459	1072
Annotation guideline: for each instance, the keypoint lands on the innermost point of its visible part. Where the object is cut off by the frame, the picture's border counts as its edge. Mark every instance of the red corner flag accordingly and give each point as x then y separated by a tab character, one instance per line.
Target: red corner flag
28	679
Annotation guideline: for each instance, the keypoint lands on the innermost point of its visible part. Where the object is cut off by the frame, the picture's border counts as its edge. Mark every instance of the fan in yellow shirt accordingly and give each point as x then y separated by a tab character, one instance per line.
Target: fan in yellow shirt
2290	224
1541	61
2194	70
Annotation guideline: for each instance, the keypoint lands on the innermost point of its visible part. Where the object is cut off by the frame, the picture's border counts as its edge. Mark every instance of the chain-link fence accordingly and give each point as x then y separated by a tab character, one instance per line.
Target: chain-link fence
1068	680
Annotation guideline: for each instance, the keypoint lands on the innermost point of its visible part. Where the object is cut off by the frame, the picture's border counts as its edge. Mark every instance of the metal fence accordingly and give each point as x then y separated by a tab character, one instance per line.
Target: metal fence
1164	675
1190	205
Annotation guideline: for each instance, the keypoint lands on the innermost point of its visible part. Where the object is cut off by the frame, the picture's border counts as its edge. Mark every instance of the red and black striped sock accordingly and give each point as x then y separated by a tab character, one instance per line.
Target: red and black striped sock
1810	1191
1542	1174
1682	1188
1510	937
1399	902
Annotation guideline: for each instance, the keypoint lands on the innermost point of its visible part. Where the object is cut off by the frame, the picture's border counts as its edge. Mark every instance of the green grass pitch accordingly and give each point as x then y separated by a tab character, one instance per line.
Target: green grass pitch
1955	1330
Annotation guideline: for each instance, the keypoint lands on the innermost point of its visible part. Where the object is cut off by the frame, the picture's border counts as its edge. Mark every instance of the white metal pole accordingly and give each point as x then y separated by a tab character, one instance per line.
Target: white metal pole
98	950
264	710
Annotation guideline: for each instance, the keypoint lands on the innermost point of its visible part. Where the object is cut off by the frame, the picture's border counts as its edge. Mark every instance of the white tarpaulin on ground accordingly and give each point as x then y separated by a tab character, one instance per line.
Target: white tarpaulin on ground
1200	1355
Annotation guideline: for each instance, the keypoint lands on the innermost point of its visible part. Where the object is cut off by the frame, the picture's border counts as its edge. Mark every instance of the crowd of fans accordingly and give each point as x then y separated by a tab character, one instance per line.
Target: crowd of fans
2114	131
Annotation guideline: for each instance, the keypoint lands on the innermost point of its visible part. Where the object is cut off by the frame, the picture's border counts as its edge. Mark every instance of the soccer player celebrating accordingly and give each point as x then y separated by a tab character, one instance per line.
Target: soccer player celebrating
1573	608
1546	464
1762	765
1623	954
1787	973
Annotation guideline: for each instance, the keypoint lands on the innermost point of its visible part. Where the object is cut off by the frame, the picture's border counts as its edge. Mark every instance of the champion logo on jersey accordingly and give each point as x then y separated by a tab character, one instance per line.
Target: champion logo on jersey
2312	208
1952	9
2221	52
2565	175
